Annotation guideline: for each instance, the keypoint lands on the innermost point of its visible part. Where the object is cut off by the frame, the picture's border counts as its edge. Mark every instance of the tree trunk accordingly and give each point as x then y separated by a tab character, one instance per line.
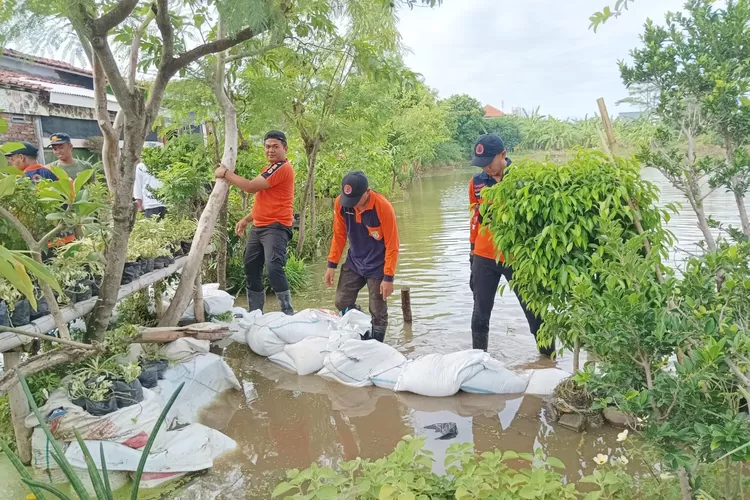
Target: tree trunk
215	203
743	213
223	256
311	148
697	204
123	219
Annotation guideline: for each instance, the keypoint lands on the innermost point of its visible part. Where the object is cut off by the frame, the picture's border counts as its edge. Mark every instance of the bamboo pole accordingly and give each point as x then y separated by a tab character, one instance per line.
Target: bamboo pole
607	123
406	304
19	409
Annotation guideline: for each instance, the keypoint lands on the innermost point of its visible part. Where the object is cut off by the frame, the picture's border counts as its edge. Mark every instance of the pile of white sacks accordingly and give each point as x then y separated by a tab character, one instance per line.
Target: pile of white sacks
316	341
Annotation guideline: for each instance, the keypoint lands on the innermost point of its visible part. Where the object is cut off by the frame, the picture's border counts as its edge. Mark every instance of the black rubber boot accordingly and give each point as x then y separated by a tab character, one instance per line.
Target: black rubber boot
378	333
285	300
255	300
480	340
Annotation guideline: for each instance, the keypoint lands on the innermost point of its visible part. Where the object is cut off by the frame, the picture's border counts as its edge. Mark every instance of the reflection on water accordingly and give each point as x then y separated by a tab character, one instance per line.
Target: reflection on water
288	421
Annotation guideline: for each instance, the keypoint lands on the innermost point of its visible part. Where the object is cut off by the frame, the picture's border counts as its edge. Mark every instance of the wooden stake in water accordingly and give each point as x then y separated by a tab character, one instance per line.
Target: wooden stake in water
406	304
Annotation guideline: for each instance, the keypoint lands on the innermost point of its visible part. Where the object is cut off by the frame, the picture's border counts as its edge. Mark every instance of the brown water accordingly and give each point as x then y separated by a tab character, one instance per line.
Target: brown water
284	421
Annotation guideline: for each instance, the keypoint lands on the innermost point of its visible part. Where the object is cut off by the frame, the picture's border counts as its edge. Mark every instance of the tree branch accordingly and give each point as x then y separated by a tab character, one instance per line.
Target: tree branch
26	235
167	34
50	338
109	65
48	236
737	373
254	53
114	17
111	138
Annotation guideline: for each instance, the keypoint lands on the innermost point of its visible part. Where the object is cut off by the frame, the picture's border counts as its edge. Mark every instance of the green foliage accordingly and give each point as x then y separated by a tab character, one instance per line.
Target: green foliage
599	18
508	128
549	221
465	121
296	273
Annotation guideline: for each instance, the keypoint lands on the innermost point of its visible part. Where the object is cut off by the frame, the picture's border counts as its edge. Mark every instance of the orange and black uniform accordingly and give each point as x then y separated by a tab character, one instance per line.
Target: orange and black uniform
487	267
273	217
373	254
38	173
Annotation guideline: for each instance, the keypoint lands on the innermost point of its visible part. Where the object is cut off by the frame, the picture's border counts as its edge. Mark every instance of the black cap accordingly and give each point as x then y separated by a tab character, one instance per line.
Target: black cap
353	187
486	149
275	134
25	148
57	139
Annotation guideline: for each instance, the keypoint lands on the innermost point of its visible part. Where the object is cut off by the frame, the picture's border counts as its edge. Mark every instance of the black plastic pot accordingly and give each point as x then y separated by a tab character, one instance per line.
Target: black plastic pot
186	245
131	272
170	260
101	408
4	314
127	394
149	264
42	309
161	366
160	262
96	286
178	252
149	377
84	290
21	313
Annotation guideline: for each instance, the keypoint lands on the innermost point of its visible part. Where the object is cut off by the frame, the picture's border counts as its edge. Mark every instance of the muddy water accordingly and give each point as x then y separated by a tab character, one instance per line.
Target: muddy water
284	421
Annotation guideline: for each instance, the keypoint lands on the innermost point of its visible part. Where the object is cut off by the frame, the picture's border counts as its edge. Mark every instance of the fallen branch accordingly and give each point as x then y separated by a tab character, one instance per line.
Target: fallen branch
213	332
43	336
45	361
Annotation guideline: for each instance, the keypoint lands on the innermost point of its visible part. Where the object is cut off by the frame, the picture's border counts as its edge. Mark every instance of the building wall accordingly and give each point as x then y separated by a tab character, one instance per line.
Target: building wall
18	131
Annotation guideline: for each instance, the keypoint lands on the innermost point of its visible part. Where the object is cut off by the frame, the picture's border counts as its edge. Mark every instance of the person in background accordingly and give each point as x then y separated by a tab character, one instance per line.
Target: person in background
487	263
24	158
63	149
368	221
272	217
144	189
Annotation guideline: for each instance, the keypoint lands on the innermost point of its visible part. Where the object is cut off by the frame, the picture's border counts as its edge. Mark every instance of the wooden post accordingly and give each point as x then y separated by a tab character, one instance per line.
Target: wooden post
607	124
406	305
19	410
200	314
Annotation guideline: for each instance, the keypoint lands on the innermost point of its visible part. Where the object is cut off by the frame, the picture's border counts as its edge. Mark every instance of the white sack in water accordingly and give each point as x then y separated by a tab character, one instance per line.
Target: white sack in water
356	361
440	375
544	381
495	379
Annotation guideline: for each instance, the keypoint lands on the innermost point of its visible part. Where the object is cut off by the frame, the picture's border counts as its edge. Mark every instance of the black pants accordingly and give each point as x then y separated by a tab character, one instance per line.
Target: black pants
347	291
159	212
485	278
267	246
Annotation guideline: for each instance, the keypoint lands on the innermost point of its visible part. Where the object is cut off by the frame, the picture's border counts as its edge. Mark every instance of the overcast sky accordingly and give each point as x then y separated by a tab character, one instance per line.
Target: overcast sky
526	53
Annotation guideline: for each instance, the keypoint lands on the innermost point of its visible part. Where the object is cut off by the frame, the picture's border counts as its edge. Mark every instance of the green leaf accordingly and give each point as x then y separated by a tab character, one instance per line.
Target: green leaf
281	489
46	487
7	186
82	179
105	473
22	471
16	275
96	479
555	462
10	146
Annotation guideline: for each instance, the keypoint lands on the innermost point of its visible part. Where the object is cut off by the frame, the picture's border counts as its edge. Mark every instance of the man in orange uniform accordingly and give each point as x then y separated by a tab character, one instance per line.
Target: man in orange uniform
368	220
272	217
487	263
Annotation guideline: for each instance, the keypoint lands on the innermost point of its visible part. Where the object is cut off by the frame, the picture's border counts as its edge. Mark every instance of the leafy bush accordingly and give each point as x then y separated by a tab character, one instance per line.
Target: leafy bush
549	221
508	128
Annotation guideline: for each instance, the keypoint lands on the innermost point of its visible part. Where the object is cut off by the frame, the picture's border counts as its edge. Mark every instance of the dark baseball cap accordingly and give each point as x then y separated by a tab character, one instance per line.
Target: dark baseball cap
486	149
275	134
57	139
353	186
25	148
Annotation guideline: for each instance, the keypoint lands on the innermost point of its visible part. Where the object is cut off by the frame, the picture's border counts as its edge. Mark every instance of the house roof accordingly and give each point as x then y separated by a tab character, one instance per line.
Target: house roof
25	81
43	61
492	112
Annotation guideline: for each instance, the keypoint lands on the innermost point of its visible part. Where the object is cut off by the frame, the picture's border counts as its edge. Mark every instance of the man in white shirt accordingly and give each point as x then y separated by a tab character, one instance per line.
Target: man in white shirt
144	189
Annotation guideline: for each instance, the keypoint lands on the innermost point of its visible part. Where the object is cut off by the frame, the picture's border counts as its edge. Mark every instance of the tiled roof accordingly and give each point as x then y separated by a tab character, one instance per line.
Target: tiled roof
46	62
492	112
17	80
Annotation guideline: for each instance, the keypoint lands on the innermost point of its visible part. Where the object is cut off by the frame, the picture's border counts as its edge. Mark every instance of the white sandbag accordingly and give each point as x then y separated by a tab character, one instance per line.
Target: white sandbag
441	375
544	381
215	301
206	376
355	321
283	360
356	361
41	450
307	355
495	379
129	425
387	379
338	337
191	448
185	349
307	323
260	338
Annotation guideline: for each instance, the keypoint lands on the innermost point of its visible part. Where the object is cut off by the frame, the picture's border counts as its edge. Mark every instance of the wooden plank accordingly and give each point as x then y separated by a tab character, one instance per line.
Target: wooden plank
9	341
19	409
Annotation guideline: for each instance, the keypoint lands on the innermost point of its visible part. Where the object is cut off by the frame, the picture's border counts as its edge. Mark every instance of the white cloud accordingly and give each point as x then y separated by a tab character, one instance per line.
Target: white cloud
526	53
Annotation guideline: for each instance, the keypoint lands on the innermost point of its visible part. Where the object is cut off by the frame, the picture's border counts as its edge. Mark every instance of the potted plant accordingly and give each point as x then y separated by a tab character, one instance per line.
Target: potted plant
42	307
153	364
76	264
95	395
127	388
8	298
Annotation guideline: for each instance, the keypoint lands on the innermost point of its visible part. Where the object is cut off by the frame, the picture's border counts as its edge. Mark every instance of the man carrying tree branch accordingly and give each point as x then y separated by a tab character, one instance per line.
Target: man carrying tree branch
272	217
487	263
368	221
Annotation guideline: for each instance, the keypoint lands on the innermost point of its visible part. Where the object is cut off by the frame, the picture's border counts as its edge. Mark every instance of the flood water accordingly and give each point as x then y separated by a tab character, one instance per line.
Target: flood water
284	421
